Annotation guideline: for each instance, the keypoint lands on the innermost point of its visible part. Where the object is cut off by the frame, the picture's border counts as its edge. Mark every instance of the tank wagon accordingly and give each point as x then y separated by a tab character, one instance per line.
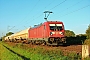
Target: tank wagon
50	32
18	37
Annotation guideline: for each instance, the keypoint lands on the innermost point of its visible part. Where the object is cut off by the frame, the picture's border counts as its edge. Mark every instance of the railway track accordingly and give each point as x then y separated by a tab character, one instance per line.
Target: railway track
66	49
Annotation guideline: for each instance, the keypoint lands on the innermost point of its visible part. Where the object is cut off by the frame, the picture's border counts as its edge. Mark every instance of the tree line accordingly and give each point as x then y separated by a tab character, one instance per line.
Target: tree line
71	38
69	33
7	34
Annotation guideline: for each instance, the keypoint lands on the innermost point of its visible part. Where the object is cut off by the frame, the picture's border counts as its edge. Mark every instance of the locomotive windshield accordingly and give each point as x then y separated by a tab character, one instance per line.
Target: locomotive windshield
55	27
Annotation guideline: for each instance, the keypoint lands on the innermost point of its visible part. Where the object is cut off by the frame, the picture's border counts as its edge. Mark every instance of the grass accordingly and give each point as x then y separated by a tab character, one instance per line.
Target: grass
40	53
7	55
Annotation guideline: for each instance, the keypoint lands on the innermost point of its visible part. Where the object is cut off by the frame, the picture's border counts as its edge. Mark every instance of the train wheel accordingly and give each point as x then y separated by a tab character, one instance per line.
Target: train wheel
33	42
43	43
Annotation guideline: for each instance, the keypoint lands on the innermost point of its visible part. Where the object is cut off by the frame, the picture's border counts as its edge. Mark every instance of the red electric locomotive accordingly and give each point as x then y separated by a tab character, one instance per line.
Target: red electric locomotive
50	32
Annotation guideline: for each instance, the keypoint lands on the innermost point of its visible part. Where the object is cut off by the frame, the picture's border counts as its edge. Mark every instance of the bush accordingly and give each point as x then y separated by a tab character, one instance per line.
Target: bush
74	56
87	42
88	32
88	58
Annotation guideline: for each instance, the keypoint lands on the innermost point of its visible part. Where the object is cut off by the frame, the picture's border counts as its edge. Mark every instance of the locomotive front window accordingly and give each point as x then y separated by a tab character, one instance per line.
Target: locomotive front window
55	27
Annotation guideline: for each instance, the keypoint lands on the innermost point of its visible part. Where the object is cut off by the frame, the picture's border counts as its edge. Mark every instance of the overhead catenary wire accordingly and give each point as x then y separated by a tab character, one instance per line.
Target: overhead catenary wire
32	9
54	8
71	6
75	4
76	10
58	4
46	7
49	4
8	29
25	17
41	13
51	8
28	13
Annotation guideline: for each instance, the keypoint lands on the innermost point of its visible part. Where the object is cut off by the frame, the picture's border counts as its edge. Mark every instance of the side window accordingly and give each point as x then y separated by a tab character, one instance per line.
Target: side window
44	27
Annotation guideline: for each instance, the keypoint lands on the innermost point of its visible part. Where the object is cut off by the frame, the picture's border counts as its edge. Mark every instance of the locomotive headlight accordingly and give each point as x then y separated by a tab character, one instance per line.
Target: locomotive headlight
61	33
51	33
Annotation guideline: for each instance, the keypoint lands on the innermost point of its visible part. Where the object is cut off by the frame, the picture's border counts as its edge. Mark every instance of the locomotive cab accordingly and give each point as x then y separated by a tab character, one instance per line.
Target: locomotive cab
50	33
56	33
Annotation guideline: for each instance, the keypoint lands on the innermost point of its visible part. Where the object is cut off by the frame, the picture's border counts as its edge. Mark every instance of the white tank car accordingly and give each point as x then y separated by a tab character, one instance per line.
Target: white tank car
22	34
7	38
18	36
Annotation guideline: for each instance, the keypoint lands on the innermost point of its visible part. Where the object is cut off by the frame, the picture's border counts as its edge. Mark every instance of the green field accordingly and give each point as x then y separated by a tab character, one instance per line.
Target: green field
7	55
21	52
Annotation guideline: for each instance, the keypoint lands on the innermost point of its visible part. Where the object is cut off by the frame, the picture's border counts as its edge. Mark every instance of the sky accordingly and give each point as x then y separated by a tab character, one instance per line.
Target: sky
17	15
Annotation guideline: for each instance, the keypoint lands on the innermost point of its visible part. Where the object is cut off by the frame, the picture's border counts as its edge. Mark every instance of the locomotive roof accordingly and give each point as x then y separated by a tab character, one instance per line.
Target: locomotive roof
45	22
53	21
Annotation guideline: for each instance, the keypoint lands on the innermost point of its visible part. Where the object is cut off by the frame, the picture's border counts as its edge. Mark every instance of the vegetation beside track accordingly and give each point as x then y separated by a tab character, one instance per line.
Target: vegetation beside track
39	53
